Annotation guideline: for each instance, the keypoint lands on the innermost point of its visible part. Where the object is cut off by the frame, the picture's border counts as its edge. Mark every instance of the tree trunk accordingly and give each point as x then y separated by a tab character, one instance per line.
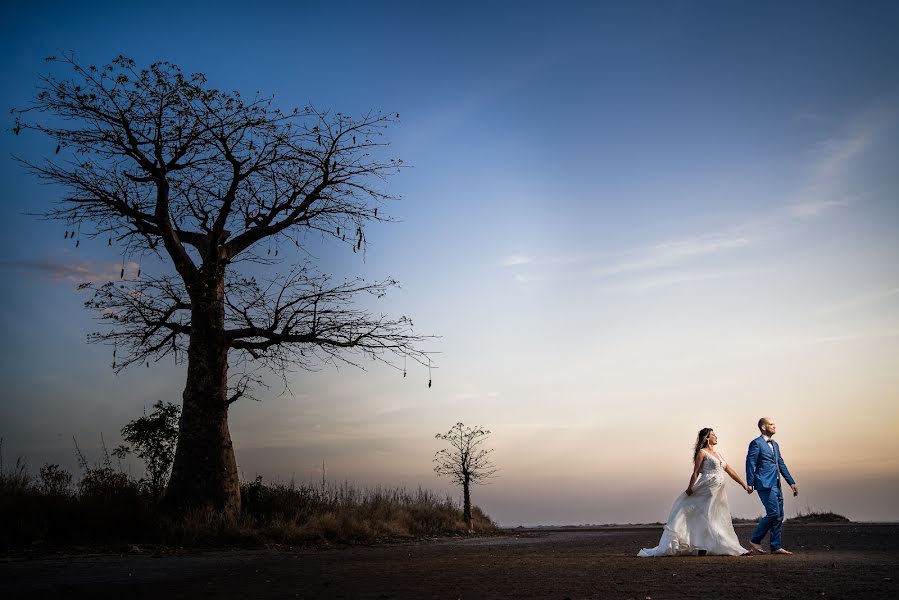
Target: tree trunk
204	472
466	503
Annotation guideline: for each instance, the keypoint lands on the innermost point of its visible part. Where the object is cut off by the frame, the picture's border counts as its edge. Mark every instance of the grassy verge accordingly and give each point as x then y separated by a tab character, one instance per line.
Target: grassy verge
109	507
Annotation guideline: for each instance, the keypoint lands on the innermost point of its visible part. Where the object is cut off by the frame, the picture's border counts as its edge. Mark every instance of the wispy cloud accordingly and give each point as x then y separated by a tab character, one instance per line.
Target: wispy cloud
676	252
833	155
853	337
832	161
858	301
465	105
642	284
511	261
828	187
72	273
805	210
813	117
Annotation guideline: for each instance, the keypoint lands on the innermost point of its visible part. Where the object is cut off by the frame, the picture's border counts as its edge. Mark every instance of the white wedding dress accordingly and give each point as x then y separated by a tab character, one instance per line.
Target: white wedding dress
701	521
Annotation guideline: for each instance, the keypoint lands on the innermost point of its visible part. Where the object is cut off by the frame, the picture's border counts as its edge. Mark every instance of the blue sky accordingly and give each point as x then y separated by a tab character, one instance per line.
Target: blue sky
627	221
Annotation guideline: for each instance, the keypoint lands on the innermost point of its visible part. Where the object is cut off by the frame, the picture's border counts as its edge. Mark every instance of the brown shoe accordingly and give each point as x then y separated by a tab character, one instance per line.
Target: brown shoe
756	548
781	551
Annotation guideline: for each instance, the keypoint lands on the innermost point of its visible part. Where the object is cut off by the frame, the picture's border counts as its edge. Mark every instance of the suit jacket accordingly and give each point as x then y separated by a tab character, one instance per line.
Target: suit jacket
764	467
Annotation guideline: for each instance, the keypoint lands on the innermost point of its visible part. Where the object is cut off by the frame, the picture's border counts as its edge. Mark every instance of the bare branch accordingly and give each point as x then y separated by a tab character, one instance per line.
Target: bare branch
303	319
466	462
159	162
147	319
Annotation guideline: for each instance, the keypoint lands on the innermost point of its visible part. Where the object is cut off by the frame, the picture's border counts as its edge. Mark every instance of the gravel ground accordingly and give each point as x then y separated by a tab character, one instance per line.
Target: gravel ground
831	561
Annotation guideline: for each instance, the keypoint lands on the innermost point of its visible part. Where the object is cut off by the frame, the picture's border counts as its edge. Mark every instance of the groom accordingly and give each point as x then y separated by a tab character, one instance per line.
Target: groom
764	466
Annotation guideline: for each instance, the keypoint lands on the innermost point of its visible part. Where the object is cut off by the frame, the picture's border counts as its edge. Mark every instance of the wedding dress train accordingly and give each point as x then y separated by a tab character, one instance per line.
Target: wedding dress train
701	521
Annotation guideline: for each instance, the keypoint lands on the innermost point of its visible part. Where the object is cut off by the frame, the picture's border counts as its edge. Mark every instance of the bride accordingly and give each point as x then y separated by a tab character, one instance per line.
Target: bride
700	521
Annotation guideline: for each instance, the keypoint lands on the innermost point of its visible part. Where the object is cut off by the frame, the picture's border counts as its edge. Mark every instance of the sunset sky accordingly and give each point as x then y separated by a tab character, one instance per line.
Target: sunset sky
626	221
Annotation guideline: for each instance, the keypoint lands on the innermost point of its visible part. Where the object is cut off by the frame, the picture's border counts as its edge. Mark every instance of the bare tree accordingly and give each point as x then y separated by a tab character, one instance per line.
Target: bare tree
162	164
465	462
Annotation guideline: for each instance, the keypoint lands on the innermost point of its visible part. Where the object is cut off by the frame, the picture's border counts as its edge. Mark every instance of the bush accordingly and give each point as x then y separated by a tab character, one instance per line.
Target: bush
817	517
55	481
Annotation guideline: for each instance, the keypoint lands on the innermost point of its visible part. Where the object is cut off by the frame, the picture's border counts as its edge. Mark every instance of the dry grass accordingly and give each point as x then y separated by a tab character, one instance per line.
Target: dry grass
107	506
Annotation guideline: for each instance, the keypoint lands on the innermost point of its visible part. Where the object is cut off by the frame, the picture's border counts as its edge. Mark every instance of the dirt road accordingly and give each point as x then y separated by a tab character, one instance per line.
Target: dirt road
831	561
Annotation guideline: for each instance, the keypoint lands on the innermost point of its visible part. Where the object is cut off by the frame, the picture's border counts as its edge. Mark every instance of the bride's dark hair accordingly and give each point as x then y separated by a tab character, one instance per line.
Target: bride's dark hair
702	440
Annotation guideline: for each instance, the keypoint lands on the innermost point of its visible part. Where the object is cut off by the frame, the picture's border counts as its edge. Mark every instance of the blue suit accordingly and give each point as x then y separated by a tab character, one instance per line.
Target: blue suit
764	467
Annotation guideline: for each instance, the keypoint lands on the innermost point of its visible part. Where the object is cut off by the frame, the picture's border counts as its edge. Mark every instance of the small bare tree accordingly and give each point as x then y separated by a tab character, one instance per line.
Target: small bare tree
465	462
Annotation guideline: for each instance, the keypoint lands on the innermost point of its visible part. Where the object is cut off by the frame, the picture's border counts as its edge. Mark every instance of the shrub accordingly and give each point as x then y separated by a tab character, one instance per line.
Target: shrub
55	481
811	516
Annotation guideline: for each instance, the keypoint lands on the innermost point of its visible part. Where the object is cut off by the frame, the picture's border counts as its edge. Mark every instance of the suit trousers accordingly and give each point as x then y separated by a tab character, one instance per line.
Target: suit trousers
773	501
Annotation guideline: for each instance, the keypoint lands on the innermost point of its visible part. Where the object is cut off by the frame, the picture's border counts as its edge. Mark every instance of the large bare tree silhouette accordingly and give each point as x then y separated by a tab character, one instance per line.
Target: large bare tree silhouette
159	162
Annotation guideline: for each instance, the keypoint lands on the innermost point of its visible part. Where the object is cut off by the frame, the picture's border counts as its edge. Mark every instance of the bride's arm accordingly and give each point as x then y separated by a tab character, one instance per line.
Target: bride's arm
700	456
736	477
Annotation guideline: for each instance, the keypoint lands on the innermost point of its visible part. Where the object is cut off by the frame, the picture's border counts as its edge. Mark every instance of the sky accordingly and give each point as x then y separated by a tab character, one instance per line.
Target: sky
626	221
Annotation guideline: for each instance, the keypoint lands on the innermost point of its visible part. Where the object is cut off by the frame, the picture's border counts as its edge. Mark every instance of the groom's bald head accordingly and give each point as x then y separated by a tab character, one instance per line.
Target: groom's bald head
766	426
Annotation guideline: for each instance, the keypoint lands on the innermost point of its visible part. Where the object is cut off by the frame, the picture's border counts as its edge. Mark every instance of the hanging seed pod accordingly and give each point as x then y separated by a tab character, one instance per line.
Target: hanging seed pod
404	374
109	243
77	243
269	251
58	146
276	252
354	140
122	274
138	272
66	236
376	212
429	384
148	364
338	231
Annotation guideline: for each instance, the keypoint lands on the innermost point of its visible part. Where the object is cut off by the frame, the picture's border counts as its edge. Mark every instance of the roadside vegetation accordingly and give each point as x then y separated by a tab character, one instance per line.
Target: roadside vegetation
107	506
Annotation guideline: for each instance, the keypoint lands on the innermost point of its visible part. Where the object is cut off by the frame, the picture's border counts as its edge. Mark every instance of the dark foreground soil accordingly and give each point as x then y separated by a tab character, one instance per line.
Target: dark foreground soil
831	561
